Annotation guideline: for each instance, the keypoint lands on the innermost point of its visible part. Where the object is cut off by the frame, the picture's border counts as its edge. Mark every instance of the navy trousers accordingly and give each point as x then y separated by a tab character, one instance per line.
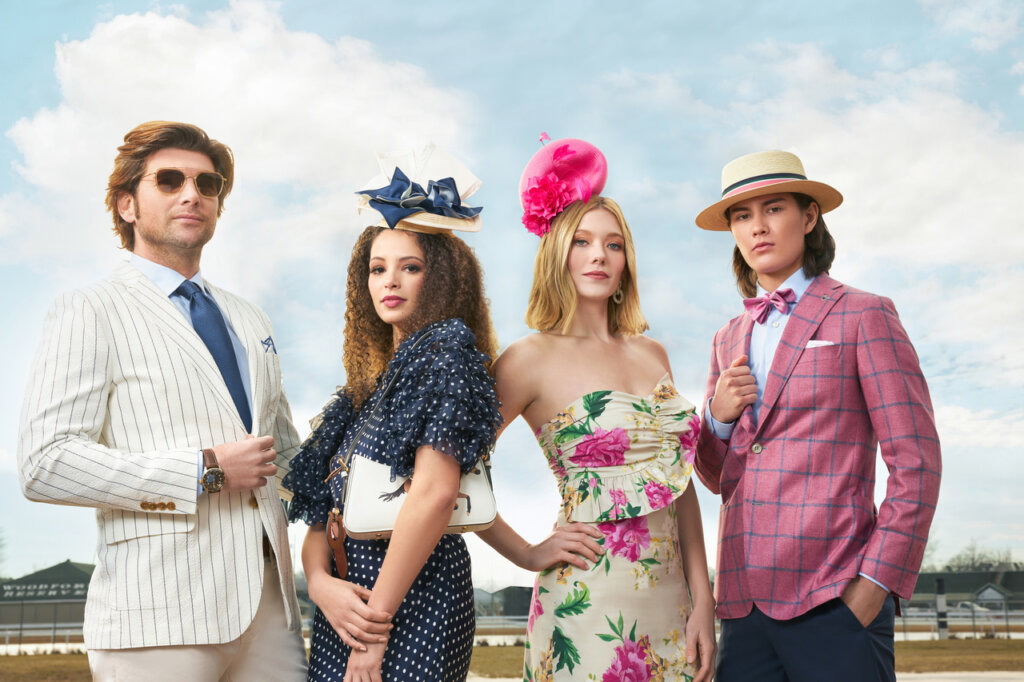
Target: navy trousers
826	643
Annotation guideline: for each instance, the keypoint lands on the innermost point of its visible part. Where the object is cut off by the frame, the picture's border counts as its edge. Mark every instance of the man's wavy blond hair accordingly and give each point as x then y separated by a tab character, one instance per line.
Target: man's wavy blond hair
552	304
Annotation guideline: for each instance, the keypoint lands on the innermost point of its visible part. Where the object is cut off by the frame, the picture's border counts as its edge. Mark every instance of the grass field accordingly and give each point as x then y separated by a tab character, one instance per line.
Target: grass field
958	655
507	661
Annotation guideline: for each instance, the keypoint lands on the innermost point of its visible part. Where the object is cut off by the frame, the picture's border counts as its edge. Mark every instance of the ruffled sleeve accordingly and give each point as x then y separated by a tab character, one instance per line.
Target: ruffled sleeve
443	398
312	500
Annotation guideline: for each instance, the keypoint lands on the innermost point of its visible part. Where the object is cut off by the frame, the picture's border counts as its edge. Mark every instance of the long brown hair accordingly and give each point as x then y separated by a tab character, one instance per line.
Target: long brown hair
147	138
819	252
452	287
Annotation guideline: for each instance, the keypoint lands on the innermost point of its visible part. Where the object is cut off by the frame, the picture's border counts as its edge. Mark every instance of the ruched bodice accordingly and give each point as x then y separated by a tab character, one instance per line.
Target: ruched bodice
639	461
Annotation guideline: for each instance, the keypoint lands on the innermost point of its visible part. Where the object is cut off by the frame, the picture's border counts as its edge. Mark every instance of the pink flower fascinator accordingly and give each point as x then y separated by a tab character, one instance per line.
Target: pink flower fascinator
560	173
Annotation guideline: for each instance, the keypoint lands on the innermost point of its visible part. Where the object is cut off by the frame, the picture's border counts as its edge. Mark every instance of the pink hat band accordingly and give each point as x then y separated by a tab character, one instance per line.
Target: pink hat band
758	182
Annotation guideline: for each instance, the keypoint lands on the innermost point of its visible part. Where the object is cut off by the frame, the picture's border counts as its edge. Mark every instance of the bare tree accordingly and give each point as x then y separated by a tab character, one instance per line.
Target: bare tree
975	558
929	564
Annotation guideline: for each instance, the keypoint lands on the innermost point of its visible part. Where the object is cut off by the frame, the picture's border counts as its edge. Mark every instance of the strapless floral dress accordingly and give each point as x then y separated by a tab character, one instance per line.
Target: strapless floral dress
621	461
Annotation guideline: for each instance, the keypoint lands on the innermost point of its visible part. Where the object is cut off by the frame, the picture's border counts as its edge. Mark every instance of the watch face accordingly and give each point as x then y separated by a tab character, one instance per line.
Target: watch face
213	479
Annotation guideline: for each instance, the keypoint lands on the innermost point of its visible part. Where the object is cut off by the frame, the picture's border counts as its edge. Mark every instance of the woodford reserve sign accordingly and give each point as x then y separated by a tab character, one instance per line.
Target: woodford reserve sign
67	581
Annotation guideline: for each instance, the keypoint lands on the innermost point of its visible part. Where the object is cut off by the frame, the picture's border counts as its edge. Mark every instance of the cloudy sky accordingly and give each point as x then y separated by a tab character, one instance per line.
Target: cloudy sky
913	109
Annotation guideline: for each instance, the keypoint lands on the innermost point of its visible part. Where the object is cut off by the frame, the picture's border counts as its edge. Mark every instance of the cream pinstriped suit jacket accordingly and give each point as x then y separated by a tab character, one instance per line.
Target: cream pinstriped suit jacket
121	396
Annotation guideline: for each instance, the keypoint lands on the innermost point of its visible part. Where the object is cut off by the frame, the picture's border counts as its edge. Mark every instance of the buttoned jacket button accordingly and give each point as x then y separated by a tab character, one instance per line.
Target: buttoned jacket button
144	505
170	506
756	448
161	505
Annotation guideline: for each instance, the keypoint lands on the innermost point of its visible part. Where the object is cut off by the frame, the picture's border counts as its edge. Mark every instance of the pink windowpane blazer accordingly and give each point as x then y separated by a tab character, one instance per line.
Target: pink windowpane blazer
798	519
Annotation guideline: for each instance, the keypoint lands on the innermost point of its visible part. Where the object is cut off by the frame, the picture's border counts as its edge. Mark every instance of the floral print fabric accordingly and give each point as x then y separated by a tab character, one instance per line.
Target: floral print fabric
618	456
620	460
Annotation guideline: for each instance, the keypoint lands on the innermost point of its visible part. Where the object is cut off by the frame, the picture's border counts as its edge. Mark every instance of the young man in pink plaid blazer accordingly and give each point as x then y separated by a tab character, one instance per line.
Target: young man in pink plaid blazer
803	388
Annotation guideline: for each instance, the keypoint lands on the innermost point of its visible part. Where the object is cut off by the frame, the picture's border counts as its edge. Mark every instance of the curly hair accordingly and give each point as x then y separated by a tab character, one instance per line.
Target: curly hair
819	252
148	138
453	287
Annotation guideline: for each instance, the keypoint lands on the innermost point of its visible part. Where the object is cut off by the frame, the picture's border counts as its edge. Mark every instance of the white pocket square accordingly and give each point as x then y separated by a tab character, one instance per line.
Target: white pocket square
818	343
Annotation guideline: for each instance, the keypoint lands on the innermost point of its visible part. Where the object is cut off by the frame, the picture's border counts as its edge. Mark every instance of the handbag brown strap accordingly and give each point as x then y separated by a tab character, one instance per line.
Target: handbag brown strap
335	528
336	541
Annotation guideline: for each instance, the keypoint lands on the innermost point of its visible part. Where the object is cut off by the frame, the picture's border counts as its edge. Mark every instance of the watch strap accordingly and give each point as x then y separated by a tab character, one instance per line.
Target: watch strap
209	458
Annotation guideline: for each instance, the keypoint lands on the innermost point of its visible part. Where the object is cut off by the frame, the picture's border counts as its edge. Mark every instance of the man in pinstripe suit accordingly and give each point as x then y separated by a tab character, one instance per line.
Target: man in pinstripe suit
156	398
803	389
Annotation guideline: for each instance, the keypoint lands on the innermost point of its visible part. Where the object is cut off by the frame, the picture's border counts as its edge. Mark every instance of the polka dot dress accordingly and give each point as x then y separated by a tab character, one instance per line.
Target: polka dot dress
433	634
443	397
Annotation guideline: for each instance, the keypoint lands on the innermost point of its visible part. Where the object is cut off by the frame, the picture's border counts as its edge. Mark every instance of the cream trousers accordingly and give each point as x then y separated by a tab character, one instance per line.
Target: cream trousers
265	651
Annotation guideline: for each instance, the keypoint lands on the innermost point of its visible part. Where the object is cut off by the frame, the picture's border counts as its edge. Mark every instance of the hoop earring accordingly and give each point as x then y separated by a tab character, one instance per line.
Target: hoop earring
618	297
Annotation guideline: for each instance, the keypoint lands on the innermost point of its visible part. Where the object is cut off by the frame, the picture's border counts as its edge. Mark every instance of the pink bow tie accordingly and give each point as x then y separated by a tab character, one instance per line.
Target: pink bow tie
758	308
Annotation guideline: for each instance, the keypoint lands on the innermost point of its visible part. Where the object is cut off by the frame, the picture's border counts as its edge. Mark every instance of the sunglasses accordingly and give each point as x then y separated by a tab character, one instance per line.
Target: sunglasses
171	180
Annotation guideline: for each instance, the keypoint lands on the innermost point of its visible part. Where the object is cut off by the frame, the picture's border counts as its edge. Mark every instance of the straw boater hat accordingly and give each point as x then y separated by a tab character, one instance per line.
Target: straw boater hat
422	191
756	175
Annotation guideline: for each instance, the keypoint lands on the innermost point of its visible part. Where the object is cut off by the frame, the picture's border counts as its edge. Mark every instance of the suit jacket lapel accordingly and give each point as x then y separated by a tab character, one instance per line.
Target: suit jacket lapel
157	308
740	341
806	317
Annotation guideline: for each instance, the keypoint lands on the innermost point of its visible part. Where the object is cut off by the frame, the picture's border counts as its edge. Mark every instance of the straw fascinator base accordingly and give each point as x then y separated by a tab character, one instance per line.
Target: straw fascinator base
422	191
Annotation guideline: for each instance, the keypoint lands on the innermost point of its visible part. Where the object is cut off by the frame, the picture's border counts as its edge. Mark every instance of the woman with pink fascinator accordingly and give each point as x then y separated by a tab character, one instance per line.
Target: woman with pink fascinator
628	552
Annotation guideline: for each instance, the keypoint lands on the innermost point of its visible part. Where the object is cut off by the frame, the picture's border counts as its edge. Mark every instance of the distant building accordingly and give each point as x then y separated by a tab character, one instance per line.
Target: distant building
509	602
51	599
989	589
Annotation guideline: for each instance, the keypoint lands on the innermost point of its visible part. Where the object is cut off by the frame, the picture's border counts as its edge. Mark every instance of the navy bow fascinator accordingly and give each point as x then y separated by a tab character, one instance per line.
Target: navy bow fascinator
403	198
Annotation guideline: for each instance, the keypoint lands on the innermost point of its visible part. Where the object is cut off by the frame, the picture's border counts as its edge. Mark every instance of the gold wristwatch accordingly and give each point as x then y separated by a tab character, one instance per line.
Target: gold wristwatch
212	479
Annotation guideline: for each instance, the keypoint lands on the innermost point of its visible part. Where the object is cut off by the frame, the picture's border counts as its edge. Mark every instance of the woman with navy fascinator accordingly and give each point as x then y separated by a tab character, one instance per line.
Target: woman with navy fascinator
418	399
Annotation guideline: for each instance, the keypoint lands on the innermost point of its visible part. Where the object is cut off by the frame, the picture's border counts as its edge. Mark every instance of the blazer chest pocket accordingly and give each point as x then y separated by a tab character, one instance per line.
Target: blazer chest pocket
814	353
814	379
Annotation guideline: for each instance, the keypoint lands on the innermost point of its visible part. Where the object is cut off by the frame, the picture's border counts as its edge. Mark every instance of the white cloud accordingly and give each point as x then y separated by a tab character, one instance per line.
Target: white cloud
926	176
655	88
993	23
975	342
303	116
981	469
916	163
981	429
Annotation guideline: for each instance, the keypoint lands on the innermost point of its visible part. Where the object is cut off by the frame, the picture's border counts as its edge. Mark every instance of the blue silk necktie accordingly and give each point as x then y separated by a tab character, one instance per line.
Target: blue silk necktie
209	324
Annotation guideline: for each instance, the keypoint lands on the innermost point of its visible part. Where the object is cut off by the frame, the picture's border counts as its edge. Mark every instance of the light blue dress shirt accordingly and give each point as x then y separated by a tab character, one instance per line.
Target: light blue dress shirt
168	281
764	341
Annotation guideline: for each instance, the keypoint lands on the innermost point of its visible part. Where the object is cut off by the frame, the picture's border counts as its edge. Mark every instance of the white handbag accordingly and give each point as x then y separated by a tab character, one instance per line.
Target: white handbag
371	500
